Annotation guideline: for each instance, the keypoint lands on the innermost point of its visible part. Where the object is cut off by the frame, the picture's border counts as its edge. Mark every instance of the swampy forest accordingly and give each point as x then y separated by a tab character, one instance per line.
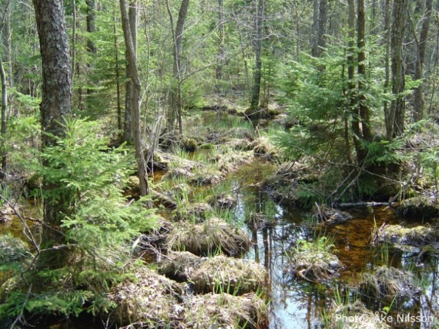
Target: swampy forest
219	164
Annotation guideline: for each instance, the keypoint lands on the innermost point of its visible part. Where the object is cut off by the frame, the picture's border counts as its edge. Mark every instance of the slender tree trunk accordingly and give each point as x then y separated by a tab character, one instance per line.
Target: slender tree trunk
7	43
323	21
258	57
221	49
73	50
320	21
397	110
91	47
132	17
387	60
355	113
91	24
175	111
361	43
55	106
117	69
5	80
135	99
3	153
418	113
315	28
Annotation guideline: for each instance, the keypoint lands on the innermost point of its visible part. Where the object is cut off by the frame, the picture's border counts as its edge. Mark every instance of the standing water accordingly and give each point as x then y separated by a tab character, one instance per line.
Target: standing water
301	304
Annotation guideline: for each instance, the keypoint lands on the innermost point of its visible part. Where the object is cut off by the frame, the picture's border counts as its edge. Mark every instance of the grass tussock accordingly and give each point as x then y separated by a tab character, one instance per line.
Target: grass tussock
226	311
314	261
193	212
389	283
416	236
208	238
216	274
148	299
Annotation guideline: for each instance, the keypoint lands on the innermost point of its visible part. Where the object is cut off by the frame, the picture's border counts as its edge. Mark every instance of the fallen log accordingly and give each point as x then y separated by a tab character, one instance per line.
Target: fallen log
165	200
363	204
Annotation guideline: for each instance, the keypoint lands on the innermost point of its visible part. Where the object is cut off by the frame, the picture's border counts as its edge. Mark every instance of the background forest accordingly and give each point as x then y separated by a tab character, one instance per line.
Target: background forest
339	96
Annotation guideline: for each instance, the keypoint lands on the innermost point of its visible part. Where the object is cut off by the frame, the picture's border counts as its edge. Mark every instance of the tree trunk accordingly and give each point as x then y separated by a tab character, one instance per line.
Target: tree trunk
132	21
397	109
361	43
315	28
320	20
55	106
221	49
7	44
3	118
258	57
355	113
91	24
175	95
387	60
5	80
418	113
117	68
73	50
135	99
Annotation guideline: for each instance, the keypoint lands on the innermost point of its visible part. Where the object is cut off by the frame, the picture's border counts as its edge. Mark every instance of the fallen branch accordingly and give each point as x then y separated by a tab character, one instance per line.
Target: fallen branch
364	204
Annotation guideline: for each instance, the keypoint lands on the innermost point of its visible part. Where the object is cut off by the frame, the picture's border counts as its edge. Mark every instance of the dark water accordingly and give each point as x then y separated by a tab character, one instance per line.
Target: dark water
298	304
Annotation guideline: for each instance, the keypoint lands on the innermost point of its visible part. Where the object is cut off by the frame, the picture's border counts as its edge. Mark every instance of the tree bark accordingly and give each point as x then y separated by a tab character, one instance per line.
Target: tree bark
3	153
55	106
175	111
315	27
135	99
355	113
258	57
5	80
396	118
320	21
73	50
418	105
361	44
117	71
91	24
132	21
7	44
221	49
387	60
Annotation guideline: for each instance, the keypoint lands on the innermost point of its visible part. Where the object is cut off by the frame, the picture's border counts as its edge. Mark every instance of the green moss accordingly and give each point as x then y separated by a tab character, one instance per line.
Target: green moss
190	144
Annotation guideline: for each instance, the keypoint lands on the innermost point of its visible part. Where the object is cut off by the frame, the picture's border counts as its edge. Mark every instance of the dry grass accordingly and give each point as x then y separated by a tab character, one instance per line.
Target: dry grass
226	311
216	274
389	283
208	238
149	299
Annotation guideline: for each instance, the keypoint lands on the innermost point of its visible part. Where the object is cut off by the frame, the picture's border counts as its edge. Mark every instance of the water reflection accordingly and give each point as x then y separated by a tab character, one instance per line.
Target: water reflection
297	304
